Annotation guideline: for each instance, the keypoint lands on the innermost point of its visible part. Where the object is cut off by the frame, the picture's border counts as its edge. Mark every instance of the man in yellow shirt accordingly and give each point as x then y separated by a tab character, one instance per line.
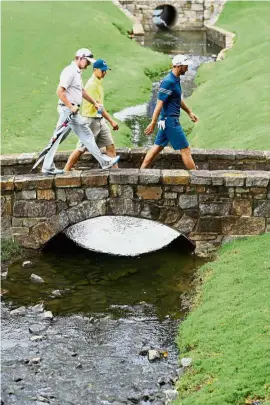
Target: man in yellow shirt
96	118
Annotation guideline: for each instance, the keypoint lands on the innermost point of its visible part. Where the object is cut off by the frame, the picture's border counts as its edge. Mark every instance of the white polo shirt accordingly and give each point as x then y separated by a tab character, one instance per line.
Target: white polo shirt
71	80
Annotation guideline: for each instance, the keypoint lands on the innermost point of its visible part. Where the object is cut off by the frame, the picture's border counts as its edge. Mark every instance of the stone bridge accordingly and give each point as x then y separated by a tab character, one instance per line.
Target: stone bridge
229	196
177	14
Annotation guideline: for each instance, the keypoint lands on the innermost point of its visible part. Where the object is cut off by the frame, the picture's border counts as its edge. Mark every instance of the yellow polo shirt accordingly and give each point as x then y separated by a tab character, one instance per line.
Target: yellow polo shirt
94	88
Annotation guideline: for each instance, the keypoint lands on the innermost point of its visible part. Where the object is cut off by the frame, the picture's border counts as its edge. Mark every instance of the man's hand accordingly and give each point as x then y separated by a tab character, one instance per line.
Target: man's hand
193	117
114	125
74	109
96	105
150	128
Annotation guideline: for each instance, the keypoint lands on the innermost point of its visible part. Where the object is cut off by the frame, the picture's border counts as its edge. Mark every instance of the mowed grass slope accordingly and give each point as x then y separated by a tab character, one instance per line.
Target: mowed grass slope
228	333
233	96
39	39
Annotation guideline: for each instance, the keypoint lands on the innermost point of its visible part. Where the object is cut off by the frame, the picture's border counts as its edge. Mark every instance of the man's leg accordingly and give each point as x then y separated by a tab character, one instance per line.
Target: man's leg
150	156
48	163
86	136
187	158
110	151
73	159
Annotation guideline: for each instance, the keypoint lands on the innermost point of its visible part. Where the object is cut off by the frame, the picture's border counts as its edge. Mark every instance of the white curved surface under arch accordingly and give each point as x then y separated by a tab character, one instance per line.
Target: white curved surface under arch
121	235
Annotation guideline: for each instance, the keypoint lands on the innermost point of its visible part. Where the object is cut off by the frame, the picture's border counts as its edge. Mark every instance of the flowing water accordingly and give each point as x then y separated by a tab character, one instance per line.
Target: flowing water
192	43
109	311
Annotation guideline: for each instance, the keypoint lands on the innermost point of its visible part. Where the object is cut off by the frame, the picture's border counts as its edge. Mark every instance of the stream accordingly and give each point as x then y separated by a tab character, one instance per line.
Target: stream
92	328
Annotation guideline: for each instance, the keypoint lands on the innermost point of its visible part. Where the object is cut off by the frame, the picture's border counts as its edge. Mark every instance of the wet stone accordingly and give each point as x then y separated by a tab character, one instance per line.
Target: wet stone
27	264
18	311
36	279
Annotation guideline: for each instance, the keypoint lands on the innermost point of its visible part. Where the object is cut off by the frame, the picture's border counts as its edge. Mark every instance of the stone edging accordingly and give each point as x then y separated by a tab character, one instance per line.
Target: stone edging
220	37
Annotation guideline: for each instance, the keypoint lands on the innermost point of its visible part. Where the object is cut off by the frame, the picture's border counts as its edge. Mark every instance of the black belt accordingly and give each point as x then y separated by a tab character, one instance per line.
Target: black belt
64	105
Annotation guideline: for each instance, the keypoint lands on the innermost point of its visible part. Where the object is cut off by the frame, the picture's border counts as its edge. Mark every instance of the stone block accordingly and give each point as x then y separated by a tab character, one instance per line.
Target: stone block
6	205
241	207
26	195
45	194
6	225
33	181
200	177
258	180
42	232
149	192
94	178
149	176
177	189
71	179
8	160
175	177
20	230
34	208
96	193
170	196
262	208
61	194
127	176
209	224
188	201
185	225
119	190
27	158
195	189
203	236
169	216
217	178
149	211
74	196
234	179
243	225
215	208
7	183
249	154
124	206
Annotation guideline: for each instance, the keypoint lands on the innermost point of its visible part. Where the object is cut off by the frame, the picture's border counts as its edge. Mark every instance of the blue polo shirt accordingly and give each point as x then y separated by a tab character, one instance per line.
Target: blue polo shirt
170	93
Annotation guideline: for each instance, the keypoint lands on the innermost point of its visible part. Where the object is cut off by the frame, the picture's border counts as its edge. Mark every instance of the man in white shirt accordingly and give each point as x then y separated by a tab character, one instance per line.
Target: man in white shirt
71	92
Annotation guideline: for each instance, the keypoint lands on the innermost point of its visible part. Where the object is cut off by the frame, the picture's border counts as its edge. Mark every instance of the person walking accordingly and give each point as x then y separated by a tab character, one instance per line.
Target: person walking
167	113
96	119
71	92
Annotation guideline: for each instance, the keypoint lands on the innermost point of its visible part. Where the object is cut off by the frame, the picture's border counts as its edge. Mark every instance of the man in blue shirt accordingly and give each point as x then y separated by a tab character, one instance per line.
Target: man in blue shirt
167	114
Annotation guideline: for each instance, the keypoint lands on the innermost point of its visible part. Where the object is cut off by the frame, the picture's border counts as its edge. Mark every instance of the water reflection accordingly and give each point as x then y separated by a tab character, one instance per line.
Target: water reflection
121	235
91	282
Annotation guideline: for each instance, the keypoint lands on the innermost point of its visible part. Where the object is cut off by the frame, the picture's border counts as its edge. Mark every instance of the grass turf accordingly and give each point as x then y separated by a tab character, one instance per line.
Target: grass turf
227	332
40	39
232	99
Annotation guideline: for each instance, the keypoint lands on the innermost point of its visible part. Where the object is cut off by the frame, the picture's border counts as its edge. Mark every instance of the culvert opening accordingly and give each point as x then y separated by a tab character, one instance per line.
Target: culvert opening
165	16
123	235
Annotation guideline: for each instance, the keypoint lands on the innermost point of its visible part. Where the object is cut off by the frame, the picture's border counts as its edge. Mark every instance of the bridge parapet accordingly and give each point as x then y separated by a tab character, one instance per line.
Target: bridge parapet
208	207
206	159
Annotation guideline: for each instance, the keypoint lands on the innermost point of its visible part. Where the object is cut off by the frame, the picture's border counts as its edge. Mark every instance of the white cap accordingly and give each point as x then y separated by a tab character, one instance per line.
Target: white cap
181	60
86	53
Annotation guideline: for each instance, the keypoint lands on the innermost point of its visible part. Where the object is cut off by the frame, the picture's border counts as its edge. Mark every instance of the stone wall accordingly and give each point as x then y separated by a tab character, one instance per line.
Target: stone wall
208	207
190	14
206	159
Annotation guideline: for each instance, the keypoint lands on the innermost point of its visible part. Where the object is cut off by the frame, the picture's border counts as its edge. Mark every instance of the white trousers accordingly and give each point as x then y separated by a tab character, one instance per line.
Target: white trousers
81	128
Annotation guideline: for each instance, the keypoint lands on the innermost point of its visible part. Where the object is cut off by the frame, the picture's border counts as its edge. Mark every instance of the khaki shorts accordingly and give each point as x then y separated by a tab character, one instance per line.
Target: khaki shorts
101	131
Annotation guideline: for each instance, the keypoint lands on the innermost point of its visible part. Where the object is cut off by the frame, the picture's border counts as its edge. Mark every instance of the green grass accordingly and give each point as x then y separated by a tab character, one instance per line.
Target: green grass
227	332
40	39
232	100
9	249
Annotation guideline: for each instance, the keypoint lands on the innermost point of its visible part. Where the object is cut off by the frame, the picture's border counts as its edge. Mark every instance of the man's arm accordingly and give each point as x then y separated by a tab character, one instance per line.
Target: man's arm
90	99
107	116
184	107
150	128
61	92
